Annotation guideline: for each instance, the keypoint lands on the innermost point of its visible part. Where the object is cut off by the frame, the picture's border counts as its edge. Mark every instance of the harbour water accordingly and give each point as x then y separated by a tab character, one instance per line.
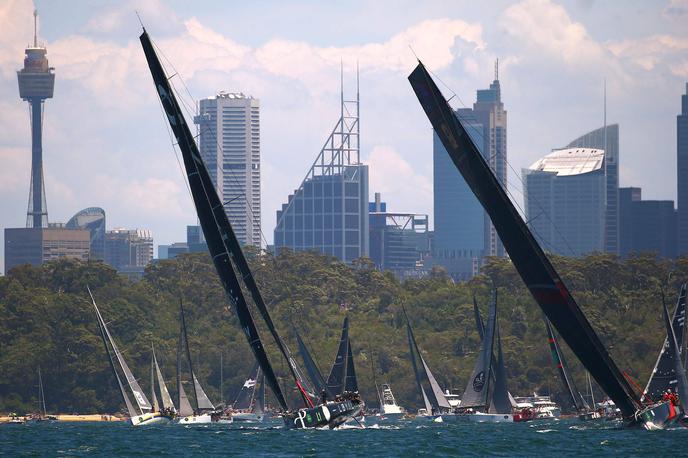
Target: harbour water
402	438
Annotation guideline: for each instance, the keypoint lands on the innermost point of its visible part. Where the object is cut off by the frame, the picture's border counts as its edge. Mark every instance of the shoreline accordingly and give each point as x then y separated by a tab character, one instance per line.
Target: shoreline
72	418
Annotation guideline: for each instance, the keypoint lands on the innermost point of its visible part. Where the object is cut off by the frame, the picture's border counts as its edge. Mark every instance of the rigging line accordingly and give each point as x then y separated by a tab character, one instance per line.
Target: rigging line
468	126
190	113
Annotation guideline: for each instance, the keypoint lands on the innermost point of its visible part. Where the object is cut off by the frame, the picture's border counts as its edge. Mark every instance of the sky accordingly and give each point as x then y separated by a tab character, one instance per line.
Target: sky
106	143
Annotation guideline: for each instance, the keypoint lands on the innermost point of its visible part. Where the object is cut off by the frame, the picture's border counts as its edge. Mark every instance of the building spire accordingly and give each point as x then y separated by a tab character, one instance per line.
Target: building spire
497	69
35	28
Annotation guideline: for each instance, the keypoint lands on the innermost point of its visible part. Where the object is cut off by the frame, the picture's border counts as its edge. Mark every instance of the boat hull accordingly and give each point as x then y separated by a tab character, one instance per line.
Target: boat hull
247	417
147	419
202	419
331	415
488	417
657	416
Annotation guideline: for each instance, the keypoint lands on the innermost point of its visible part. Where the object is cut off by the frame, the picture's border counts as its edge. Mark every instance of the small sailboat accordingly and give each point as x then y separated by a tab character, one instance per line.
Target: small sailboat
42	413
168	410
249	405
664	377
144	415
530	261
486	397
435	403
203	413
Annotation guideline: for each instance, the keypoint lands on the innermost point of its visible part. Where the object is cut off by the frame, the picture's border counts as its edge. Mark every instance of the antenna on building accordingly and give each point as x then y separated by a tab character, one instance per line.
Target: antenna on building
605	114
35	28
341	90
497	69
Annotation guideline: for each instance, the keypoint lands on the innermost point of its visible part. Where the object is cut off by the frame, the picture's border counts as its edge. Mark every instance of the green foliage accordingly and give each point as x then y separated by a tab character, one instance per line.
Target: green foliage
47	320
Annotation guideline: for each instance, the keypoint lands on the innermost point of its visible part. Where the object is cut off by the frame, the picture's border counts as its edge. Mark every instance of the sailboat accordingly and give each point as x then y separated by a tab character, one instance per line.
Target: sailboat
435	404
578	403
389	409
227	255
203	413
168	408
249	405
144	415
663	375
543	281
41	411
486	397
312	369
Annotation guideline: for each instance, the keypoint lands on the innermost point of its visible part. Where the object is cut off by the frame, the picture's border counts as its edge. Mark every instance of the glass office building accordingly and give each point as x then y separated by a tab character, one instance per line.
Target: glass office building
565	195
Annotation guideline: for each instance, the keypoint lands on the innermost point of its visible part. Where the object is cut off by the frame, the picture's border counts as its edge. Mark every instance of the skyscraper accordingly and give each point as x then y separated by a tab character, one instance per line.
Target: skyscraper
646	226
463	232
564	195
329	211
607	139
682	181
229	129
129	250
36	83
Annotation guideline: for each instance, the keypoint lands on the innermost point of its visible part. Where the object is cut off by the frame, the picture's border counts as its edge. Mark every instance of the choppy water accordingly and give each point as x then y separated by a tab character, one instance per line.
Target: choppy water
403	438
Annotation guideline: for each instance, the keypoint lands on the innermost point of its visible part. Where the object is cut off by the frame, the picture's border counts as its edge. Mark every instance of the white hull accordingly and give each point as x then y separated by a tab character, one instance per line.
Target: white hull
202	419
149	419
247	417
489	417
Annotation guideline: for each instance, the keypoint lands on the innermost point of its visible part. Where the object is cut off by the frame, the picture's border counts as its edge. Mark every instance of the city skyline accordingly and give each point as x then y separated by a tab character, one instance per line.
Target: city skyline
102	145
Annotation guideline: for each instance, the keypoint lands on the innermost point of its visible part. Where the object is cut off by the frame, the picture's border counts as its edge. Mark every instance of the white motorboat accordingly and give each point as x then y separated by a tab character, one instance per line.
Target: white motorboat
390	408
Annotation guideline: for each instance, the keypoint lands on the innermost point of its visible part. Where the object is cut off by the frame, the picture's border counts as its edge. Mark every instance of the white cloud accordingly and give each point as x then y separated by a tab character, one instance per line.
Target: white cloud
397	181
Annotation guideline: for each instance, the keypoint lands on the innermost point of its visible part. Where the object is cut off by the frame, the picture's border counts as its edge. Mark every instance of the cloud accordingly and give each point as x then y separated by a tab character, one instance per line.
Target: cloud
543	27
656	50
391	175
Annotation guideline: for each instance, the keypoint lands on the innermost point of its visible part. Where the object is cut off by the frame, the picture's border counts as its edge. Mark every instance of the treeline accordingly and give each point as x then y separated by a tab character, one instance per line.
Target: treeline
46	320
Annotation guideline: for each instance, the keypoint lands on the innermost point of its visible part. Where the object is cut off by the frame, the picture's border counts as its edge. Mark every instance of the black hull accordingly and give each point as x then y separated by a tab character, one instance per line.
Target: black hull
330	415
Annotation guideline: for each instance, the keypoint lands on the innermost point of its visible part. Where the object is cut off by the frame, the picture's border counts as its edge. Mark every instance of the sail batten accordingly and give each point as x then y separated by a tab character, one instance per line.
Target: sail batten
529	259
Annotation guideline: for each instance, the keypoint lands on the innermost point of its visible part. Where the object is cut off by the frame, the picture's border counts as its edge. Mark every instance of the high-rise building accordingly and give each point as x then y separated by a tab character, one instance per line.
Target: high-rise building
37	245
646	226
627	196
398	241
464	234
36	84
329	210
229	131
92	219
564	196
682	179
607	138
129	250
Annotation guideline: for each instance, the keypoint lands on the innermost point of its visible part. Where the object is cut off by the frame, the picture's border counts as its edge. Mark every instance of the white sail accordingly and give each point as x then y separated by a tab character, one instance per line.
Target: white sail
156	406
428	406
185	408
202	402
437	391
103	329
166	398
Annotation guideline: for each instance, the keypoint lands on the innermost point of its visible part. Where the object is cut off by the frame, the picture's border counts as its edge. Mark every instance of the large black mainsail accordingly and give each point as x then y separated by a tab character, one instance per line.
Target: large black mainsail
664	374
336	380
217	230
350	381
576	399
527	256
